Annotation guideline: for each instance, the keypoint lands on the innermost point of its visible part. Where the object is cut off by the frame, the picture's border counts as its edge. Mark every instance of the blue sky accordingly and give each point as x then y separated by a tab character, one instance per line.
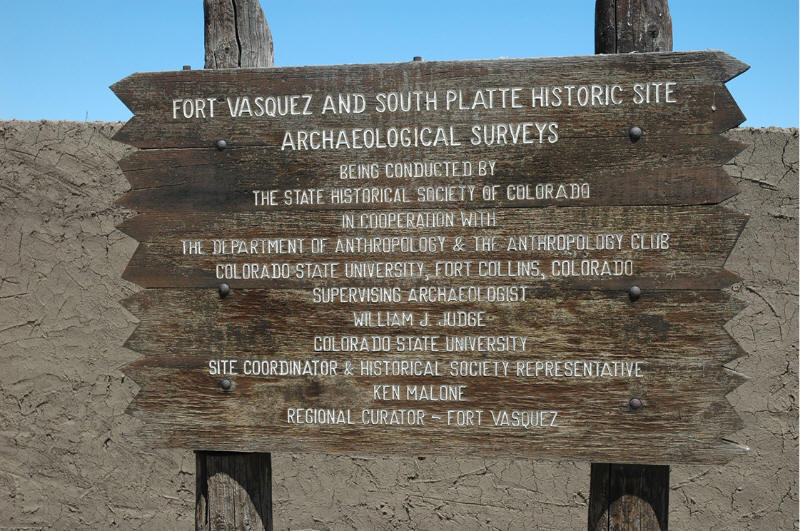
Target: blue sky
60	57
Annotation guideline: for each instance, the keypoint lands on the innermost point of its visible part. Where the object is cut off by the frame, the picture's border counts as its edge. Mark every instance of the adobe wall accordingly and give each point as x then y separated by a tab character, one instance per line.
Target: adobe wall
65	462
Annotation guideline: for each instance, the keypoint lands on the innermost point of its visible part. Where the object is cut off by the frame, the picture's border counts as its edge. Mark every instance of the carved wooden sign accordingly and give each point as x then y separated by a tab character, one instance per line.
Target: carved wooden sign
510	257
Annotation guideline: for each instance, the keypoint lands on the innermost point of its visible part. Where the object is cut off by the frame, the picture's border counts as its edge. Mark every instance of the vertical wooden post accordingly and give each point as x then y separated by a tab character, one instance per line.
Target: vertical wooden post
624	26
621	496
234	490
237	35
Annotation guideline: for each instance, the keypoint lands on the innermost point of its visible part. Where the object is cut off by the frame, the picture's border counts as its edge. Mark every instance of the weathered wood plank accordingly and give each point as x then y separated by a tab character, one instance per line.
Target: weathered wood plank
677	338
699	103
254	166
207	190
681	420
702	110
178	326
699	240
617	172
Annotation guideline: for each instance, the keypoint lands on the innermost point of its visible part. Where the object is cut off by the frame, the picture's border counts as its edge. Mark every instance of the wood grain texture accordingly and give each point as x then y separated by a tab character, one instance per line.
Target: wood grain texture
624	26
629	497
676	336
236	35
702	104
684	170
187	189
701	239
185	324
254	167
234	491
671	428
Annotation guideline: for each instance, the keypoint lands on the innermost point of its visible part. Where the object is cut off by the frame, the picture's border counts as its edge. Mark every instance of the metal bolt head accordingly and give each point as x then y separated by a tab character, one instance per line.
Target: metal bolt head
635	133
226	384
224	290
636	403
221	144
417	58
635	292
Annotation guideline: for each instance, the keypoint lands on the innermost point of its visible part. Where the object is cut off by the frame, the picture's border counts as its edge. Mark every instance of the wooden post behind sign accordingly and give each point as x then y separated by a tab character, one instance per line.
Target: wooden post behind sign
624	496
234	490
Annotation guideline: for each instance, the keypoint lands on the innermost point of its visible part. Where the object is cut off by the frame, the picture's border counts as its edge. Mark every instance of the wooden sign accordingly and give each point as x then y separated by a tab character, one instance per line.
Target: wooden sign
510	257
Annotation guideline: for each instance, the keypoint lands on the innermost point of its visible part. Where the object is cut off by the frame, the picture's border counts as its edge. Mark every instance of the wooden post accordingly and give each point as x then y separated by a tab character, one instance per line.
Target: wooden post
624	26
237	35
234	490
628	497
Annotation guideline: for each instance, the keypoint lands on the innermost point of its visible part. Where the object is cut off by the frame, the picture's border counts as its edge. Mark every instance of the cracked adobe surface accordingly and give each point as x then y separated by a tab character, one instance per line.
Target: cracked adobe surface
65	463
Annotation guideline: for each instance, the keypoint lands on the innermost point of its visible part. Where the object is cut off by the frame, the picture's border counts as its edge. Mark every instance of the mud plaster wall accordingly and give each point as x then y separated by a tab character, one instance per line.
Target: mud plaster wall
66	464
